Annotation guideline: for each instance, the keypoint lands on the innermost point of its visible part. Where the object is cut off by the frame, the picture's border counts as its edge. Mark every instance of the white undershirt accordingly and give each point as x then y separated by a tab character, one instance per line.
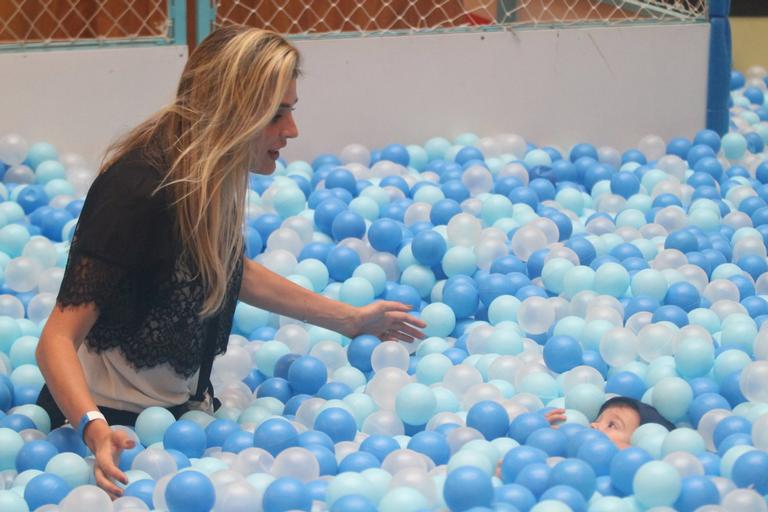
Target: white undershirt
114	383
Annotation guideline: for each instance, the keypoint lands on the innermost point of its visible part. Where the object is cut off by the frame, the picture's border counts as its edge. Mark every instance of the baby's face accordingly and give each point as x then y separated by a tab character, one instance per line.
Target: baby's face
618	423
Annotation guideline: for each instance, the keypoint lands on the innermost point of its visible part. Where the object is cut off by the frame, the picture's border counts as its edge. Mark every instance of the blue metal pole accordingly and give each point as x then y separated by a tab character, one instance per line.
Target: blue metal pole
206	16
178	15
719	74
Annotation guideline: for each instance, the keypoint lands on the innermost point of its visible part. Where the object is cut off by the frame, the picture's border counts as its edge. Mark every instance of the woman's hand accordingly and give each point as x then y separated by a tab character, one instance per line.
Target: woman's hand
555	416
388	320
106	444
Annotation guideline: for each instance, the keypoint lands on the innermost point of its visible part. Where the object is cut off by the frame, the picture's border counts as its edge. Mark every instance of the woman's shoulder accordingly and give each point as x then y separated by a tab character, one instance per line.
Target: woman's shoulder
133	176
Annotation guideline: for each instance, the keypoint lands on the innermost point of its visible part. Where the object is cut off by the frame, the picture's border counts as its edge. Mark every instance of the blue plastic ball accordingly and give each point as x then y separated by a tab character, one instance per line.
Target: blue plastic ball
342	262
275	435
428	247
489	418
218	430
549	440
626	383
187	437
731	425
526	423
396	153
286	494
562	353
432	444
353	503
696	491
517	458
385	235
35	455
624	465
576	474
46	489
683	295
275	387
466	487
598	454
307	374
751	470
141	489
325	458
358	462
380	446
567	495
341	178
347	224
359	351
535	477
337	423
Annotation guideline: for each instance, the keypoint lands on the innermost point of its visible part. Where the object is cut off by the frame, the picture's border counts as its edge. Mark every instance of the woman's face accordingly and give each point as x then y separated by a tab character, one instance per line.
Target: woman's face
275	136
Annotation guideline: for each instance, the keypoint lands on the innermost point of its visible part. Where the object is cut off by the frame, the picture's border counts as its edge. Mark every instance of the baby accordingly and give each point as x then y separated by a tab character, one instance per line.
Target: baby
618	418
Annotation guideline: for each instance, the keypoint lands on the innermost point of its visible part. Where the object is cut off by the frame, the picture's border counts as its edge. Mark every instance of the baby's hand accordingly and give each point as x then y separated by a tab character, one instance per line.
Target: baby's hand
555	417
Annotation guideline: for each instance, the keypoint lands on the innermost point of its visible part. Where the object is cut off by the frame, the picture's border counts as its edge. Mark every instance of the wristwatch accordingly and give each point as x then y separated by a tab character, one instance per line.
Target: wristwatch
86	419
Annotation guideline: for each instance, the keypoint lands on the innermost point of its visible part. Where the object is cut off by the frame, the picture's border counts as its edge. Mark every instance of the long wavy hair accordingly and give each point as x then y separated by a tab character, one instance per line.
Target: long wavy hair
208	138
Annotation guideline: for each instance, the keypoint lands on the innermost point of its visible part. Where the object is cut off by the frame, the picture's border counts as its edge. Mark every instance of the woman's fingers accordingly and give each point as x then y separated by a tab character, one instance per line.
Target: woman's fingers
105	483
106	470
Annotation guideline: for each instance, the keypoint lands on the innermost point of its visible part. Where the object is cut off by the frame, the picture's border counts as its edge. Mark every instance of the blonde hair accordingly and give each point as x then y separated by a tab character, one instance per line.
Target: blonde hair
230	89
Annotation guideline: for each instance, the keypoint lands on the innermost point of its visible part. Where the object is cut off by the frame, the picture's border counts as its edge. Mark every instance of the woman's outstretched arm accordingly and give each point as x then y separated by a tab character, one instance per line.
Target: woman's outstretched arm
267	290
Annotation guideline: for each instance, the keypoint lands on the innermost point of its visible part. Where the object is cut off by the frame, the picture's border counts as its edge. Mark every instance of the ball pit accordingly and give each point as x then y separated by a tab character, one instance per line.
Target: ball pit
548	278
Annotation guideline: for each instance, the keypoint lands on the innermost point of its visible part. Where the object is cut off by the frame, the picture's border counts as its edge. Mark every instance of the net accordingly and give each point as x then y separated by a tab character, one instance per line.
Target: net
66	22
379	17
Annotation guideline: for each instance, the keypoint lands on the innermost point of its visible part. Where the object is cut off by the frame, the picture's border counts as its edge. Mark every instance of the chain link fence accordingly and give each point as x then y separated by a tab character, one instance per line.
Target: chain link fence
379	17
61	23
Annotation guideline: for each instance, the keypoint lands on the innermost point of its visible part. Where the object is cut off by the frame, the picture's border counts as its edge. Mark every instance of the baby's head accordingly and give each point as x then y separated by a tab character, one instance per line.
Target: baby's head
620	416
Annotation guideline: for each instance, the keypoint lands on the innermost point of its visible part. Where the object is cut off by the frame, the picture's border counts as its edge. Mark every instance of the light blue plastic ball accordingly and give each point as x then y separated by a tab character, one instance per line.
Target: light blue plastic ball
420	277
611	279
459	260
316	271
357	291
695	357
439	318
152	423
71	467
503	308
734	145
289	201
657	484
671	397
50	170
374	274
10	444
39	152
415	403
585	398
649	282
267	356
58	187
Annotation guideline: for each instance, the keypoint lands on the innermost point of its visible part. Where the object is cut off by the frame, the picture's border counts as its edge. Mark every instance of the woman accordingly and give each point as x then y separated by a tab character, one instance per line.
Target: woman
156	264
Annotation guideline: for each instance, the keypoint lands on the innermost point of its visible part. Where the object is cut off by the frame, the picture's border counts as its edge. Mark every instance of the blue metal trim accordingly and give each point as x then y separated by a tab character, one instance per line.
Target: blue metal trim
206	17
177	14
719	72
84	44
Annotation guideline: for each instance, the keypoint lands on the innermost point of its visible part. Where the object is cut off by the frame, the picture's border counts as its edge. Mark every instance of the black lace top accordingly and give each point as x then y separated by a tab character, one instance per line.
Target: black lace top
125	257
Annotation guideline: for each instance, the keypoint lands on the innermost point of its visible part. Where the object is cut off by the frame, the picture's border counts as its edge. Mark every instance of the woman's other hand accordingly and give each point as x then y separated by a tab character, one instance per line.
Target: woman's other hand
106	444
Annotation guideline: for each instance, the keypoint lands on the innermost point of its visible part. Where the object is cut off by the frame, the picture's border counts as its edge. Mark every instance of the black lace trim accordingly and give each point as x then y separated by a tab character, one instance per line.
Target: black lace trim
150	314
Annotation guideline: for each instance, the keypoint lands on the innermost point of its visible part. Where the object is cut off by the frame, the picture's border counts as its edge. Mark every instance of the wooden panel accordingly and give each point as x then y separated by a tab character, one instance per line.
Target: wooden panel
60	20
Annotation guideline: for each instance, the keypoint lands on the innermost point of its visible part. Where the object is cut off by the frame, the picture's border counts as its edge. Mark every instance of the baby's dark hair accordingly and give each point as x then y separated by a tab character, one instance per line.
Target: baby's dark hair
647	413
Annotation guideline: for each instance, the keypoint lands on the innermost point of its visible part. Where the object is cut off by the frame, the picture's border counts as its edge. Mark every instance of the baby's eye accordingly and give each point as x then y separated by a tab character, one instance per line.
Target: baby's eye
276	118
